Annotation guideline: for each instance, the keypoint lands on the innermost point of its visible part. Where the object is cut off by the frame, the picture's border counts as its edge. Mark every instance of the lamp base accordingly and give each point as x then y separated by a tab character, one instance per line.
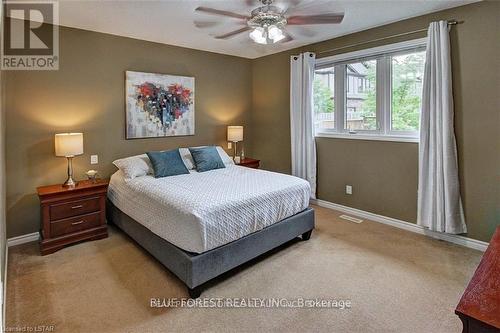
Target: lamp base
69	182
235	150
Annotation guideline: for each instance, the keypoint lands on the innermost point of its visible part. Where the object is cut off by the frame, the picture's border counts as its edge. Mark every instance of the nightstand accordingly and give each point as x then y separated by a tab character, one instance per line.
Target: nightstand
250	163
72	214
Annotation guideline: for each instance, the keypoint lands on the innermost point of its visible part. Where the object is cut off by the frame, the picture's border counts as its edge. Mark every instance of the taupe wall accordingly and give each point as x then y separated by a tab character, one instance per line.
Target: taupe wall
384	174
87	94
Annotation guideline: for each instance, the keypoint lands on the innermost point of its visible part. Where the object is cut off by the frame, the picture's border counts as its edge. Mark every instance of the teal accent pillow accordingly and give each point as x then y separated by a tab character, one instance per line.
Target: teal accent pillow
206	158
167	163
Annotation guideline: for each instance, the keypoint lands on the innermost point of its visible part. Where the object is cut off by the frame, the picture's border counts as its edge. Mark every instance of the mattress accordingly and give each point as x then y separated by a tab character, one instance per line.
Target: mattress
198	212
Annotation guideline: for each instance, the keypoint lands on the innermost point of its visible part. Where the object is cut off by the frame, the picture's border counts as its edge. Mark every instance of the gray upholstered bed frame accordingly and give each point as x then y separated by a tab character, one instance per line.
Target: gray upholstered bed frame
195	269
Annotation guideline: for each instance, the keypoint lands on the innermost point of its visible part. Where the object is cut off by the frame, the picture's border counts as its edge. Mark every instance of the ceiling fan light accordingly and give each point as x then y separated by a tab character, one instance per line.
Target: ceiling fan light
278	37
258	35
275	33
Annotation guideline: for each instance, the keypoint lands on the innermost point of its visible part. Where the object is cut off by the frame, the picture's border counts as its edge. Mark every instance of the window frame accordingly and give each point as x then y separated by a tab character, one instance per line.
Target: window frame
383	56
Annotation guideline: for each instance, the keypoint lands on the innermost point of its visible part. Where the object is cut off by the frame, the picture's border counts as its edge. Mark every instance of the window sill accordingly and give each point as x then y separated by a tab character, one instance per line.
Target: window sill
370	137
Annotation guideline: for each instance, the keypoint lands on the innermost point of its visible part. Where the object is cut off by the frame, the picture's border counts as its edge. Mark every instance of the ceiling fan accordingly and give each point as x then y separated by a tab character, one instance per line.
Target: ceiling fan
267	22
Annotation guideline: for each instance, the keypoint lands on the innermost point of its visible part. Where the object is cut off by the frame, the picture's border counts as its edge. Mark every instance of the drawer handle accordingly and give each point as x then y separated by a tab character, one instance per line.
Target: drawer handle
76	223
77	206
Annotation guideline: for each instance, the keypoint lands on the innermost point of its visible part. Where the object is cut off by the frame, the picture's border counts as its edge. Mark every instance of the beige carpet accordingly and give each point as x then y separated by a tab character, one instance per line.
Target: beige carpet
397	281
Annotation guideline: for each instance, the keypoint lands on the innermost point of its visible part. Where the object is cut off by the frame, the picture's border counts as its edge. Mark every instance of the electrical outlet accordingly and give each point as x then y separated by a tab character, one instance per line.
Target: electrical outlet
94	159
348	189
229	145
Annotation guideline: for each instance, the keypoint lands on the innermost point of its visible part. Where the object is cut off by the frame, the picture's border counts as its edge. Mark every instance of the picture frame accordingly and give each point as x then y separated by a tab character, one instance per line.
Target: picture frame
159	105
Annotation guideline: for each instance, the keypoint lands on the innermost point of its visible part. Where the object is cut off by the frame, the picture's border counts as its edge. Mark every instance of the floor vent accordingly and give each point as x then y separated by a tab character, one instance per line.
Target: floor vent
351	219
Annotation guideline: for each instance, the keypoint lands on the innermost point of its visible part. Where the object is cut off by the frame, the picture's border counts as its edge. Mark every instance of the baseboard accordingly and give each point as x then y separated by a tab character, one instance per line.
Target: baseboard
33	237
455	239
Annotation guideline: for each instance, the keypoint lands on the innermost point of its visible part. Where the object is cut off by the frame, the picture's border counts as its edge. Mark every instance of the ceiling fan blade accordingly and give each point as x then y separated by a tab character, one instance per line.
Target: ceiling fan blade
221	12
315	19
202	24
304	31
233	33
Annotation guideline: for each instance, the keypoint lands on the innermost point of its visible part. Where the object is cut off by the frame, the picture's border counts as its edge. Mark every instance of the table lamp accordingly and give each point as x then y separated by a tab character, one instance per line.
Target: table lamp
69	145
235	135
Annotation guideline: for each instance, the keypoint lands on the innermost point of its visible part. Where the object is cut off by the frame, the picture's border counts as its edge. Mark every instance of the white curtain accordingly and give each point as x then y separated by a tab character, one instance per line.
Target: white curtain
301	118
439	203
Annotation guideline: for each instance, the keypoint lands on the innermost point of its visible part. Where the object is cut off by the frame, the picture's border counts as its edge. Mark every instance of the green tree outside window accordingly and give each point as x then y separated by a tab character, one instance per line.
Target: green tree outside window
323	99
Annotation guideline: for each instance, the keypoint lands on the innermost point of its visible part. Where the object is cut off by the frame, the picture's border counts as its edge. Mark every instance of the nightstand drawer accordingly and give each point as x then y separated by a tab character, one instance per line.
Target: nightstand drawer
74	224
73	208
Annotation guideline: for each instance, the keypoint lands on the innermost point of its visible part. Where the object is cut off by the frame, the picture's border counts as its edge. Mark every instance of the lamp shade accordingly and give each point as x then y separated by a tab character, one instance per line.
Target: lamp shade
69	144
235	133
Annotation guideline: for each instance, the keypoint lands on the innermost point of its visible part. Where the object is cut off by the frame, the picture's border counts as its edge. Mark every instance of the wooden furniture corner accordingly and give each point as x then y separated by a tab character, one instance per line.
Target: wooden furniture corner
72	214
479	307
250	163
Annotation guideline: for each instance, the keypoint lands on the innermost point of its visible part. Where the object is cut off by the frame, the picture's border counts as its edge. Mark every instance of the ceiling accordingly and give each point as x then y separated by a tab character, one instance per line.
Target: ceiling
175	22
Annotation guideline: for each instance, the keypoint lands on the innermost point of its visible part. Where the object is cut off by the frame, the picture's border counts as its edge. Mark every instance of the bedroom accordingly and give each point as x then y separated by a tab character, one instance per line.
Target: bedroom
233	233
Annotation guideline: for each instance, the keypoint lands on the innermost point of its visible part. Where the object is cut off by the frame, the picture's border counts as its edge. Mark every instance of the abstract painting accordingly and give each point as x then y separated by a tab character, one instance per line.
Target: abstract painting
158	105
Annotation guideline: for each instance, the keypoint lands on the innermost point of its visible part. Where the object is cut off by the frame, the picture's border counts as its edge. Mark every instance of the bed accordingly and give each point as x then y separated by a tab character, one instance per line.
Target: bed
201	225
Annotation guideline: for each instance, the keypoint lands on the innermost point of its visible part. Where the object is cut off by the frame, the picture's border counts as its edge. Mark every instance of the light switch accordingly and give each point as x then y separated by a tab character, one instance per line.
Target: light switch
94	159
348	189
229	145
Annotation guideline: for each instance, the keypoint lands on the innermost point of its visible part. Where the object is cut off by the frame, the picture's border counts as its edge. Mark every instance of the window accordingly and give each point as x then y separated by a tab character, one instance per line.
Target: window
406	94
365	116
361	85
324	105
379	93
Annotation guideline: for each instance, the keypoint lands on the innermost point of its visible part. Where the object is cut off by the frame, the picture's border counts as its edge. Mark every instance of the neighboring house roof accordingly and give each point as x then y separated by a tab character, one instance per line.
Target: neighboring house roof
357	68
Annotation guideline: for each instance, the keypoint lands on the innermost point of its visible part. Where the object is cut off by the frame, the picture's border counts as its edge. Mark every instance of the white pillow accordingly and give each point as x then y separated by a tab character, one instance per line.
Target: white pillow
187	158
134	166
189	162
224	156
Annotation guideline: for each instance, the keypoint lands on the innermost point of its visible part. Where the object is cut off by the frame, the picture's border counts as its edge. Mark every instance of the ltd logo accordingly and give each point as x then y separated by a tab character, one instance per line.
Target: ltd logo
30	35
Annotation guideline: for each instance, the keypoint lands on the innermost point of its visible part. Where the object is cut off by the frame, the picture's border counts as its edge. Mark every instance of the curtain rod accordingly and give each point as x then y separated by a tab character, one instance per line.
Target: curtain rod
451	22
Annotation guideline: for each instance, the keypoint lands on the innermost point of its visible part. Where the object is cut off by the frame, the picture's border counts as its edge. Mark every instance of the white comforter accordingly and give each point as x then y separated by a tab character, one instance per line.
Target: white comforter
201	211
